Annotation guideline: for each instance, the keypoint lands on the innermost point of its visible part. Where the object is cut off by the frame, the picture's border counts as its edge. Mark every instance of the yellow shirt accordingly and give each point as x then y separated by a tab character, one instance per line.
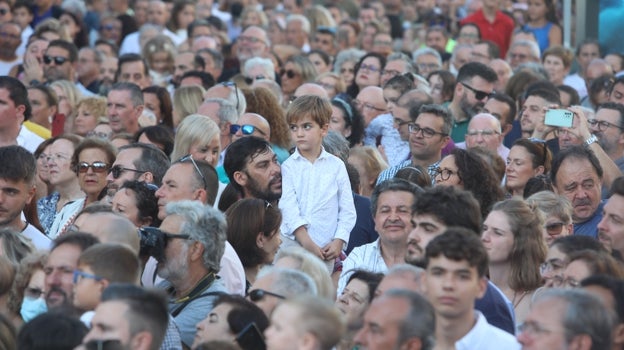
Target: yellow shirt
38	129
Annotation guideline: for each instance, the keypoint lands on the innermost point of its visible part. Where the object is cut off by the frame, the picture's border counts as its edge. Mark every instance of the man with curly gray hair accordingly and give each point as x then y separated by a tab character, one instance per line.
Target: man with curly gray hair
195	236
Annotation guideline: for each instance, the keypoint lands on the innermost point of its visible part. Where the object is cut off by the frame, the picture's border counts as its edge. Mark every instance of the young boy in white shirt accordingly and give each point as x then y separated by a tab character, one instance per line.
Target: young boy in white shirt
317	204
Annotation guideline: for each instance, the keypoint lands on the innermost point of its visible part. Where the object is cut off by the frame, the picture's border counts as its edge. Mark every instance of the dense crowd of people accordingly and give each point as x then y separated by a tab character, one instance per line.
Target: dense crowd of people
314	175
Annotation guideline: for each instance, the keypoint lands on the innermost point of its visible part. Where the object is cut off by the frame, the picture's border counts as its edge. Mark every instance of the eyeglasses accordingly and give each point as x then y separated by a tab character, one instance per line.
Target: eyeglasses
346	70
259	294
246	129
58	60
249	39
601	125
33	293
559	281
520	56
8	35
359	104
78	275
188	157
400	122
289	73
428	66
103	344
98	167
250	80
554	229
551	265
3	11
369	68
165	234
426	132
101	135
484	133
479	95
533	328
230	84
444	174
391	72
117	170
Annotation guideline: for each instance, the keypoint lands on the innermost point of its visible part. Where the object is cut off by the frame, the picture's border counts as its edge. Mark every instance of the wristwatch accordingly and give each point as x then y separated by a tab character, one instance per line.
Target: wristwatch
591	140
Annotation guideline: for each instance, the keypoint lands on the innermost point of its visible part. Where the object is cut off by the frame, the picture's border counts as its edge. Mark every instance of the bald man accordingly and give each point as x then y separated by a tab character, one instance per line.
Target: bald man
109	227
311	89
484	130
251	124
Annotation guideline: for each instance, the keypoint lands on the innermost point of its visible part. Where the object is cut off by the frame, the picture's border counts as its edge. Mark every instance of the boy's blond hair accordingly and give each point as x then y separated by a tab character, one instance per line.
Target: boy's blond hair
317	108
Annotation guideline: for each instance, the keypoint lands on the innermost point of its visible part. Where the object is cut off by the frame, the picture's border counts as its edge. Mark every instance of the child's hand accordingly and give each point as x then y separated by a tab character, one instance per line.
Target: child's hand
332	250
310	246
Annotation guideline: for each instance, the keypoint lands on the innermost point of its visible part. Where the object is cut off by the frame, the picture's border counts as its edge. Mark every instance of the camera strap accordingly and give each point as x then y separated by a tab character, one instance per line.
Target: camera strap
196	293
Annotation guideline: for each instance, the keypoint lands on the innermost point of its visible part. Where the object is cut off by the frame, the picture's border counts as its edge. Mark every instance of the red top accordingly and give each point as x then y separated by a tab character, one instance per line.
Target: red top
499	32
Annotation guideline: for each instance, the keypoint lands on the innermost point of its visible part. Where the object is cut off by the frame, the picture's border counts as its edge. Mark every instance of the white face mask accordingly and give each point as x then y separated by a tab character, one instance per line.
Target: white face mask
32	308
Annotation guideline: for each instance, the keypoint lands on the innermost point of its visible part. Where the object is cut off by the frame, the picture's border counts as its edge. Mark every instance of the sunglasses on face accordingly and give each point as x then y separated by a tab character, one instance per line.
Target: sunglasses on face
554	229
259	294
245	129
117	170
250	80
98	167
58	60
479	95
289	73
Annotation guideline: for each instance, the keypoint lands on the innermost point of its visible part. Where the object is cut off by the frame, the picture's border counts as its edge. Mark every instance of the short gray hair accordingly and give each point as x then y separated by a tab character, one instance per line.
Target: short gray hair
305	23
427	51
584	314
419	321
227	110
347	55
406	269
400	56
535	50
266	64
203	224
335	143
289	282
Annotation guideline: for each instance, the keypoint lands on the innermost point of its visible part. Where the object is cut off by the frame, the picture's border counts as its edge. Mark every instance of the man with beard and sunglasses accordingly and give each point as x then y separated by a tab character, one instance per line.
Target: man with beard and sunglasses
253	170
195	180
475	85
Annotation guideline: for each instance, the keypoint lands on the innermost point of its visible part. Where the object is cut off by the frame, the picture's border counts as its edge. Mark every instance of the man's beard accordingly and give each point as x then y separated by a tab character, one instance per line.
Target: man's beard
468	109
254	189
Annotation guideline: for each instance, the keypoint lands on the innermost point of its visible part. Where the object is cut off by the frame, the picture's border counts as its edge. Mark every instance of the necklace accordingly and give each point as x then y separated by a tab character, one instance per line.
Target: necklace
514	302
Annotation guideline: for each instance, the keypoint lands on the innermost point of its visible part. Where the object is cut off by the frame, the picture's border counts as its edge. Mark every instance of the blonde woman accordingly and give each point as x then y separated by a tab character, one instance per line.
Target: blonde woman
88	113
197	135
186	101
300	259
68	97
369	163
